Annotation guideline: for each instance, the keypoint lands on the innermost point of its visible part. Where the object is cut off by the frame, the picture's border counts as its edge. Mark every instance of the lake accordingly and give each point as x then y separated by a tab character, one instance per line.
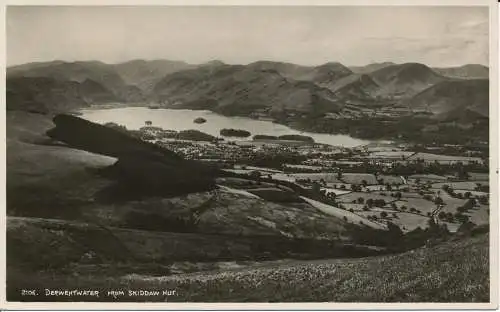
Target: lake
182	119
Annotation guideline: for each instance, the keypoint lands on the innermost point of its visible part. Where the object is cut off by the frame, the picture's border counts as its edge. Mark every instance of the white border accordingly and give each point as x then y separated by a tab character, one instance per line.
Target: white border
494	152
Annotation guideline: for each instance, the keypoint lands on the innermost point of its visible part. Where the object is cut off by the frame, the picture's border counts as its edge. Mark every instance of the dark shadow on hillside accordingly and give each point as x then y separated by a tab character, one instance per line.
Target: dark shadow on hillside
143	169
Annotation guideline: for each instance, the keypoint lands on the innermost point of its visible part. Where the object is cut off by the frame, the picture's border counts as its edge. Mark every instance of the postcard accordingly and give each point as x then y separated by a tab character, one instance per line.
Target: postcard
237	155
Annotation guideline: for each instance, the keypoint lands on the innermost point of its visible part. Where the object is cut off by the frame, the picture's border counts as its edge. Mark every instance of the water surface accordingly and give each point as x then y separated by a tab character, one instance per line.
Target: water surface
182	119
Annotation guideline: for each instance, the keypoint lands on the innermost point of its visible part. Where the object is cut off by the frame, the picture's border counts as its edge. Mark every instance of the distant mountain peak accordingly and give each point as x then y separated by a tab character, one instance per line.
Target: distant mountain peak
214	63
335	66
467	71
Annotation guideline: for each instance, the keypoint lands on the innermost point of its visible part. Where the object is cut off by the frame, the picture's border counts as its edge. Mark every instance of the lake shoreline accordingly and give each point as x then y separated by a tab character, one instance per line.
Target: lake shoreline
182	119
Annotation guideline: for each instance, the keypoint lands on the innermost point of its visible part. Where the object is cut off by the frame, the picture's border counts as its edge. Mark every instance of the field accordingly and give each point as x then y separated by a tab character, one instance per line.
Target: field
346	186
303	167
335	191
348	198
409	221
464	185
357	178
376	187
328	177
473	193
391	154
391	179
479	176
442	158
451	203
340	213
355	207
421	204
428	177
479	215
382	188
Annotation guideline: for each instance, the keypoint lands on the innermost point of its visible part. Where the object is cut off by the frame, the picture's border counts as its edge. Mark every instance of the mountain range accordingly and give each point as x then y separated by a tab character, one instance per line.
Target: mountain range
245	89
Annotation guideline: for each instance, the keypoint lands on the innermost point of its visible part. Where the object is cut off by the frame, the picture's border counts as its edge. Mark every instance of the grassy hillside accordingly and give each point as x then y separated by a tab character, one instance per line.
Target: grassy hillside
145	74
239	90
98	72
455	271
469	71
405	80
452	98
41	94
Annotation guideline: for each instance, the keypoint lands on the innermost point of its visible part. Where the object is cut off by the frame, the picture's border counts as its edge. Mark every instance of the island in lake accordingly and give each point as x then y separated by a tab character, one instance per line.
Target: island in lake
200	120
235	133
286	137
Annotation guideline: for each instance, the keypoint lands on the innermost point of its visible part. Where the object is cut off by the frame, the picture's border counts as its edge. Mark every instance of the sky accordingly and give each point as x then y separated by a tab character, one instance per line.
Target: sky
311	35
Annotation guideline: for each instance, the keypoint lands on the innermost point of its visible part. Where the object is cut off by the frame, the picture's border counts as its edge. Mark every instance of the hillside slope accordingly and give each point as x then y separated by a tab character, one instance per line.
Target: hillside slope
453	98
455	271
469	71
357	85
405	80
370	67
101	73
41	94
238	89
145	74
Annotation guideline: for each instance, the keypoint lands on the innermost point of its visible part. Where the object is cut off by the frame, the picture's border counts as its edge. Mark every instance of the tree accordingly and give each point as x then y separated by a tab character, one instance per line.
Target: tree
462	218
469	204
398	195
438	201
383	214
369	202
351	210
364	183
467	194
316	188
361	200
483	200
148	122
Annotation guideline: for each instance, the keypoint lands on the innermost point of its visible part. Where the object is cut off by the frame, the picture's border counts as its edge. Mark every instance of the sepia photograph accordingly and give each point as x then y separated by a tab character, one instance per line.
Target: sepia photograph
251	154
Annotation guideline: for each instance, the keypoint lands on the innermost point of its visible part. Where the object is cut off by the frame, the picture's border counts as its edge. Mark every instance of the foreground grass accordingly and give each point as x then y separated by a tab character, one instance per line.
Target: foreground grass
455	271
